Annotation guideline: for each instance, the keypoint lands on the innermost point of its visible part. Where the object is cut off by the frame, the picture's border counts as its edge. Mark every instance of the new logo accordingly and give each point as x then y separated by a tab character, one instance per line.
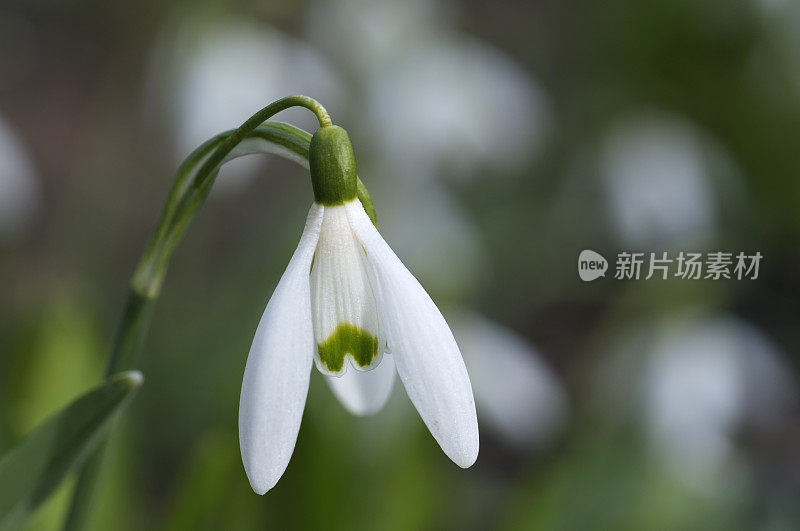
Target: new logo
591	265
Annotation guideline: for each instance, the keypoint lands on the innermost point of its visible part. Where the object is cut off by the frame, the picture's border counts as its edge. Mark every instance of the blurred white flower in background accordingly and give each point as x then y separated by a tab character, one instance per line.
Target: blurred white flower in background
437	101
458	106
365	37
517	394
698	383
706	381
450	258
226	71
782	17
19	184
661	180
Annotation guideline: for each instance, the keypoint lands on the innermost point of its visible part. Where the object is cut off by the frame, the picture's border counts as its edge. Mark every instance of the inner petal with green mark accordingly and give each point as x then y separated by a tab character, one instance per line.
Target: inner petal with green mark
348	339
343	306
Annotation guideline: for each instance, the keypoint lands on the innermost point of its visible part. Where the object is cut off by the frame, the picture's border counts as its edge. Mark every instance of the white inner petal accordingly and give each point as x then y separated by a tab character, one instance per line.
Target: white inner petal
341	294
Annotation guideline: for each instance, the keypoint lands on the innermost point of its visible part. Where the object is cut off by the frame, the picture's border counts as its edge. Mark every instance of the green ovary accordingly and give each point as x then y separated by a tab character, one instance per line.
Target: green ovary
347	339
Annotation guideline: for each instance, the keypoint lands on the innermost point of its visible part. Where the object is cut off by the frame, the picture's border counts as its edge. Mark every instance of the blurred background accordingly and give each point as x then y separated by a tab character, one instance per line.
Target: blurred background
498	140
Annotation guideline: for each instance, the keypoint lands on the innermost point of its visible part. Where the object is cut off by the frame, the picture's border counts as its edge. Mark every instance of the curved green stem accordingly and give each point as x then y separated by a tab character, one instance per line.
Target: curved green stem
192	184
191	187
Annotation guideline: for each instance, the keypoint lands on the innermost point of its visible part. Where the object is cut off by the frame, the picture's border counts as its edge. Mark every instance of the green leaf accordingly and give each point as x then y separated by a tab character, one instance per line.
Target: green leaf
31	471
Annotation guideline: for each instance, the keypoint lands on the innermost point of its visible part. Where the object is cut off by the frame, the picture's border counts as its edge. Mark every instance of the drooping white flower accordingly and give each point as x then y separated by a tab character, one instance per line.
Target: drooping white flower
347	302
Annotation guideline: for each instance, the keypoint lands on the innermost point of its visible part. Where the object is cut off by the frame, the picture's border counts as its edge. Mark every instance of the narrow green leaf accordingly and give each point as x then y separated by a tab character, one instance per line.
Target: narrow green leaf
31	471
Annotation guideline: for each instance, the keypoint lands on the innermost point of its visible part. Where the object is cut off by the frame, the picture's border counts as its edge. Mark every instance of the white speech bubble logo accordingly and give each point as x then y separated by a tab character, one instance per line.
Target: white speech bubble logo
591	265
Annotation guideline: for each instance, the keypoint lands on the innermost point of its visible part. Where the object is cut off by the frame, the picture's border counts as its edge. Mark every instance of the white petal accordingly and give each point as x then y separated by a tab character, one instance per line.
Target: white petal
342	300
424	350
275	383
364	392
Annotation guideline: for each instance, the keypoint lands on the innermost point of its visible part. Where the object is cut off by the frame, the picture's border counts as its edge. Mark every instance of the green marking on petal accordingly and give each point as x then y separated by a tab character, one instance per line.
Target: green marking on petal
347	339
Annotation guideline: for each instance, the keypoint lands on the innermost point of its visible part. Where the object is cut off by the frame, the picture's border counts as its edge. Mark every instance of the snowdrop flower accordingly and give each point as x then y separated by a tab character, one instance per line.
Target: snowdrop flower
658	174
706	381
346	302
19	189
702	382
482	86
365	36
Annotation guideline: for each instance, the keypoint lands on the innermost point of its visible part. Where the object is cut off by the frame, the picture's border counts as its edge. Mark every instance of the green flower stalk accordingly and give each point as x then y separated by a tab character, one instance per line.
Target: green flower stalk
345	300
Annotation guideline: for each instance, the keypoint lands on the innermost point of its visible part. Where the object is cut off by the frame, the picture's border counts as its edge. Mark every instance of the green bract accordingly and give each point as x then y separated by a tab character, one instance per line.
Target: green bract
333	166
